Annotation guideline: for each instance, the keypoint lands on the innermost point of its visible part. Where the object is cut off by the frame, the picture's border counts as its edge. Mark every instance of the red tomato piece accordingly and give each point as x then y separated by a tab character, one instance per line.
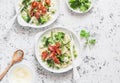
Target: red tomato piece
52	55
44	55
34	4
48	2
44	10
56	60
37	14
39	6
51	48
58	51
57	44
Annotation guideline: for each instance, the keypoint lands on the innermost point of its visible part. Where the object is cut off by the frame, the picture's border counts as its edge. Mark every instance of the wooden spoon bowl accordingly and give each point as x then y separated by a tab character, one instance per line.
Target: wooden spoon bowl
17	57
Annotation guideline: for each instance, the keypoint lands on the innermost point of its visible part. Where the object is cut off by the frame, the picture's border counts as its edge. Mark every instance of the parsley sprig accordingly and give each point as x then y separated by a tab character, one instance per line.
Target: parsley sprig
86	35
83	5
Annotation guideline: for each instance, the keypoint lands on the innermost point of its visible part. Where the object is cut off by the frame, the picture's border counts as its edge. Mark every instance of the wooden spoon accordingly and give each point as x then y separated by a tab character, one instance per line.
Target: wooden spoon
17	57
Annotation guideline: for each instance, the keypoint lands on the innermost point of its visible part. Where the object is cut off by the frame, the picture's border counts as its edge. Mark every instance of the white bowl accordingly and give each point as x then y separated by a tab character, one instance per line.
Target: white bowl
53	18
76	11
37	51
21	64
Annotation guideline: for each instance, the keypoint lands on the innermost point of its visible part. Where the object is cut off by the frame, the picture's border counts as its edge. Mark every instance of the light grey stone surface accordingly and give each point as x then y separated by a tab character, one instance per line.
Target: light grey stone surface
100	65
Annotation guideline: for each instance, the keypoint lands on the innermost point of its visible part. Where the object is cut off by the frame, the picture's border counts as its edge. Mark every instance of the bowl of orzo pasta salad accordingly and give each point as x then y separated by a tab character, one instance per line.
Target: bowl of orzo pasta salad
52	49
37	13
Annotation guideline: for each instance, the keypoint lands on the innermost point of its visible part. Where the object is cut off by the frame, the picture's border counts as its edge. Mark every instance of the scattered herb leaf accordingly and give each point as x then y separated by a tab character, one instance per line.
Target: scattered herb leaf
88	38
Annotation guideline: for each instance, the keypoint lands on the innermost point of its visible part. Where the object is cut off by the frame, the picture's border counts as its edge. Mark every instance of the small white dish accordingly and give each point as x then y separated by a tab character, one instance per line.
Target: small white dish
54	17
17	67
78	11
37	51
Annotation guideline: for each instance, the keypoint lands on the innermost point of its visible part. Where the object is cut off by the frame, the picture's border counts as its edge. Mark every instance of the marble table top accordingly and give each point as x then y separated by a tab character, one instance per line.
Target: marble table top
100	65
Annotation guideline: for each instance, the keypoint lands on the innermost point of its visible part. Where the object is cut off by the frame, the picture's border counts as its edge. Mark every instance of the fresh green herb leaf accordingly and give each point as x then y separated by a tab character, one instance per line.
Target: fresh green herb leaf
92	41
47	41
44	39
61	58
87	36
59	36
25	3
83	5
50	63
26	18
84	34
43	20
50	40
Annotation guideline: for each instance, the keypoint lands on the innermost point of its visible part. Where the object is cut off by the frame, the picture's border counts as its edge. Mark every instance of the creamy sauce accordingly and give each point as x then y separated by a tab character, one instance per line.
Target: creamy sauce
21	74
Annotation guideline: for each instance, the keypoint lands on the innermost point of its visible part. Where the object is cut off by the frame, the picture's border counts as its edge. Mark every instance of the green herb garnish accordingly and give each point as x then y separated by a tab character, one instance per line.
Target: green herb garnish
43	19
26	18
92	41
88	38
59	36
50	63
82	5
84	34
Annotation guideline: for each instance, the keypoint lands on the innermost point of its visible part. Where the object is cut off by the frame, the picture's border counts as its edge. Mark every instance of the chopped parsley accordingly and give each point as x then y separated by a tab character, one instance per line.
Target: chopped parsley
86	35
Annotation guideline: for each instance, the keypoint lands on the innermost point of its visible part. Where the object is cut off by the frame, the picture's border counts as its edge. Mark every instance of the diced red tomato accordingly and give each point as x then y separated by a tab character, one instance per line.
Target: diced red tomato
41	9
34	4
44	10
55	47
51	48
52	55
57	44
37	14
44	55
39	6
48	2
56	60
58	51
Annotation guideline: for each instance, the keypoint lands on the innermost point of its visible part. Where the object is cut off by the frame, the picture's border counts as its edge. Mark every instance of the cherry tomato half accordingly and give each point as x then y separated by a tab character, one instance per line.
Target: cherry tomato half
34	4
48	2
56	60
58	51
51	48
44	10
44	55
52	55
37	14
39	6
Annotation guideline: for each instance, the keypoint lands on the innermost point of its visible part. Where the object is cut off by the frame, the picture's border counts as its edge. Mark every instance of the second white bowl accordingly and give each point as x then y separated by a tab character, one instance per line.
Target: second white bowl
37	51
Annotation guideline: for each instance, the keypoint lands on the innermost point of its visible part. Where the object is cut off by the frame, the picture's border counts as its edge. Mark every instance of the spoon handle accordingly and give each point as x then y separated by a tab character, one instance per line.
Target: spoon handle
11	21
5	71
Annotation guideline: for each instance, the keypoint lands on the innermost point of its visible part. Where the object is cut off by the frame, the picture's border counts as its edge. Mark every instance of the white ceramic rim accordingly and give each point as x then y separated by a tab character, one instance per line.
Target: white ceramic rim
23	63
37	38
79	12
25	24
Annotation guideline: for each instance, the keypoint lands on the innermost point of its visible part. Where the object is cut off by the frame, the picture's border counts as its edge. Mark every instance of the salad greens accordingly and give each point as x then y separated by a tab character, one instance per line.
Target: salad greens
55	49
87	36
59	36
26	17
53	38
82	5
43	19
